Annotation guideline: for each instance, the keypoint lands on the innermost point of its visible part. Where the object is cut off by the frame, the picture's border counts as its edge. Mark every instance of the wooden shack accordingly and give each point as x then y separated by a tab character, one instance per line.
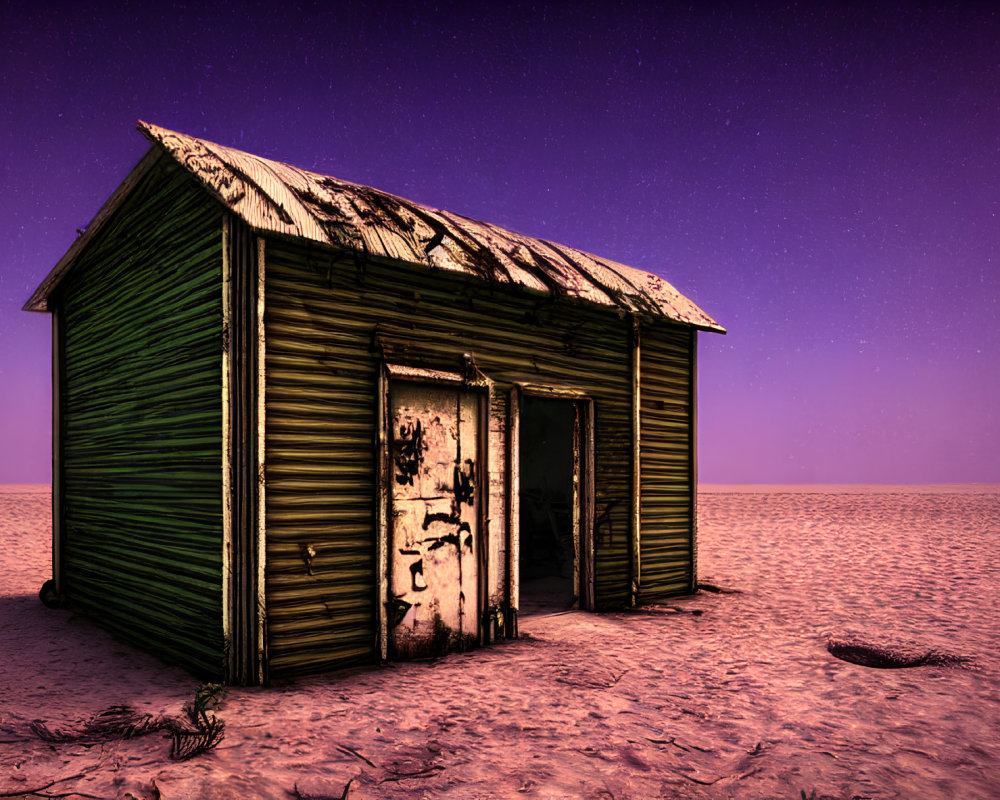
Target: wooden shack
300	424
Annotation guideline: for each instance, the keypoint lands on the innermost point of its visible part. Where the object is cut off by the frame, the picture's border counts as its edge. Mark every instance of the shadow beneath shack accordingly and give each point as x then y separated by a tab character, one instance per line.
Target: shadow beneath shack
62	656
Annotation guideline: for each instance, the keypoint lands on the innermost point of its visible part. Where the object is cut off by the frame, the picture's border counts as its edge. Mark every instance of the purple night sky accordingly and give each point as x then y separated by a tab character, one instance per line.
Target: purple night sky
823	181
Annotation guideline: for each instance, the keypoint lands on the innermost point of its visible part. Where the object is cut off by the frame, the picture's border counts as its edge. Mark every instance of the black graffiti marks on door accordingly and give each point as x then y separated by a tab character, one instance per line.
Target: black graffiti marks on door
433	569
408	451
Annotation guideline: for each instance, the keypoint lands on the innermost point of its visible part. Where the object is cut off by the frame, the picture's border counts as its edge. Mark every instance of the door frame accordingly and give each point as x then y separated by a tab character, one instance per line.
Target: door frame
473	381
583	512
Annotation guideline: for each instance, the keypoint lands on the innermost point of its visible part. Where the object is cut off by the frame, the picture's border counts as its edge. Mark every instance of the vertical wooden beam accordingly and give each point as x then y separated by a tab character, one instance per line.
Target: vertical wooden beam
513	509
228	599
483	405
57	478
590	498
693	458
579	546
261	476
382	484
636	539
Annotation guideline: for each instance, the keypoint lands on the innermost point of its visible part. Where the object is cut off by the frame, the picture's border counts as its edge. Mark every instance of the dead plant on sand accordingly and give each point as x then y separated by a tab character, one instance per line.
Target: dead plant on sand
208	728
116	722
199	733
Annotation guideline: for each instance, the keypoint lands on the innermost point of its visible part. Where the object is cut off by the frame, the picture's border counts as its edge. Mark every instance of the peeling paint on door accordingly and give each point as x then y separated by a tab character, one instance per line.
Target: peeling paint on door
433	519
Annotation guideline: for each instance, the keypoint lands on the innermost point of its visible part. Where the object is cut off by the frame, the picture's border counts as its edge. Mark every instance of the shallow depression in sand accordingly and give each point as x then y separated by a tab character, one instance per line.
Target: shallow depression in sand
878	657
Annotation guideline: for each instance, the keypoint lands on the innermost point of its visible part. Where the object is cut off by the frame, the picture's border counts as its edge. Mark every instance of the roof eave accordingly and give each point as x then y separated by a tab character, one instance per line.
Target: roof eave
39	300
709	326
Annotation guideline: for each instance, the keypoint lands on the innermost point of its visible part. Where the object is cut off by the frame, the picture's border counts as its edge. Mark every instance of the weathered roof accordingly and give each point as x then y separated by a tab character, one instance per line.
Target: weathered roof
273	197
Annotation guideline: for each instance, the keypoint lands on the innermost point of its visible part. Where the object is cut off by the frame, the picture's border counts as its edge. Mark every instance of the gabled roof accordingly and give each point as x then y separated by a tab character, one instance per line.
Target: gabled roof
277	198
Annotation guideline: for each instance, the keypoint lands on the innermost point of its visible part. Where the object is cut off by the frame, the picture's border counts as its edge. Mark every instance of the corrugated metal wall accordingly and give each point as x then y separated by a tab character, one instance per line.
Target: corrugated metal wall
665	455
327	323
141	316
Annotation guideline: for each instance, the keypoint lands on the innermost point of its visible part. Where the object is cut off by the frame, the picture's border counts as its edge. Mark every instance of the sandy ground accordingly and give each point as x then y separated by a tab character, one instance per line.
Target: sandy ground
715	696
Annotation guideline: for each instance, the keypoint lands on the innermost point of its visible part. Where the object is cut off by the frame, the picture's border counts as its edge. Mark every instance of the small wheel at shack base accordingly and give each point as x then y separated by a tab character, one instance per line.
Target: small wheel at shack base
49	596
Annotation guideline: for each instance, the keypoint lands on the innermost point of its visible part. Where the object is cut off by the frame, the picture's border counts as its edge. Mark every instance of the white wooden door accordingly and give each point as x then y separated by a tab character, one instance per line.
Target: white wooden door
433	519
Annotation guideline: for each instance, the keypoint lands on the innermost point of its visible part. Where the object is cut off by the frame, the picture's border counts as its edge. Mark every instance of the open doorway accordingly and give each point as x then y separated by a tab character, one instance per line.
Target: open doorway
549	551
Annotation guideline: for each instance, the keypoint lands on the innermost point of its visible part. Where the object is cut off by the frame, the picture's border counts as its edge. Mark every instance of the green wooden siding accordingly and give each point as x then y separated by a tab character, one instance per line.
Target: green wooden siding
141	424
665	462
326	323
